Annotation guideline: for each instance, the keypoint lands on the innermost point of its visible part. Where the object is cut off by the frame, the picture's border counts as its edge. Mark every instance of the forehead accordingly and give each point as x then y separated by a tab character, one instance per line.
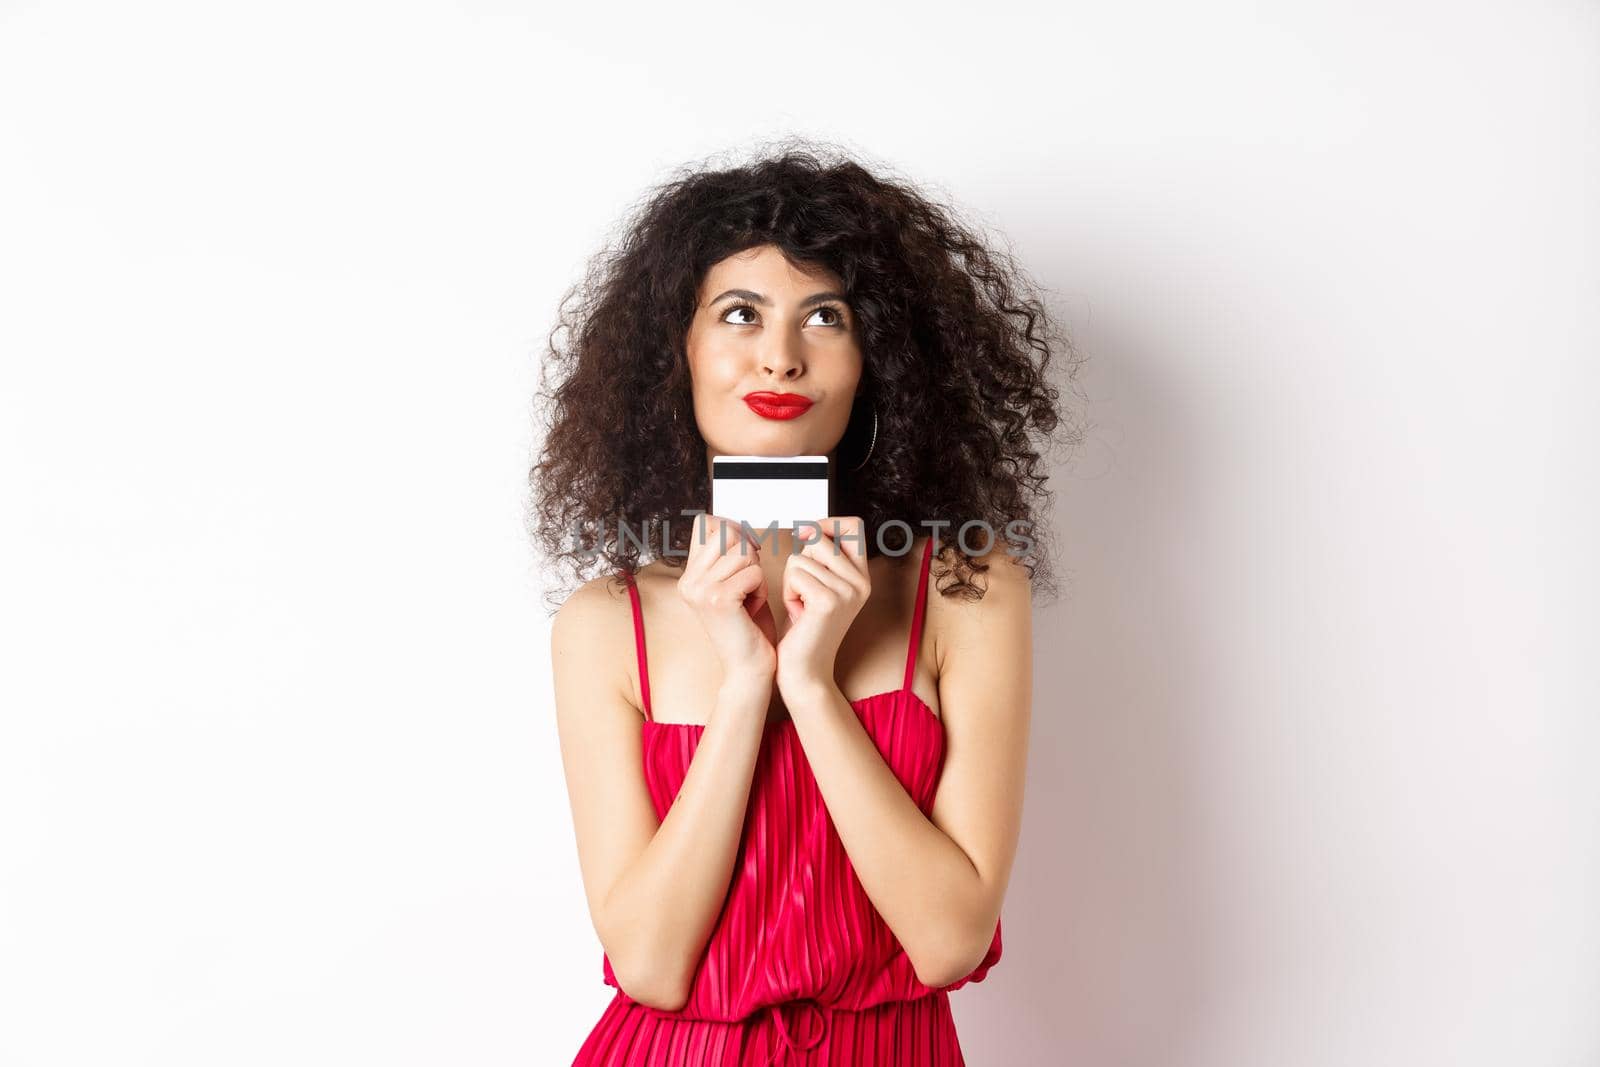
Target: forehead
765	270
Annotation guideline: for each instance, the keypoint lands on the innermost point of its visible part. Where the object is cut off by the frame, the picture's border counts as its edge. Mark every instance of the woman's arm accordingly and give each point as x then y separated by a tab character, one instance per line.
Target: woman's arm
939	881
654	887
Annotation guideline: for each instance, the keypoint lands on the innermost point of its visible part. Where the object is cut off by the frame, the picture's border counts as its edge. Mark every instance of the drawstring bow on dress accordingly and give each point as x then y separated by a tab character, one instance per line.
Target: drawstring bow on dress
783	1029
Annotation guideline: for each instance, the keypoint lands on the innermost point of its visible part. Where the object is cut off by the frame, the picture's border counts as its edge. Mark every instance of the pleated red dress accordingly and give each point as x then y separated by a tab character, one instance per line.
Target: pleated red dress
800	967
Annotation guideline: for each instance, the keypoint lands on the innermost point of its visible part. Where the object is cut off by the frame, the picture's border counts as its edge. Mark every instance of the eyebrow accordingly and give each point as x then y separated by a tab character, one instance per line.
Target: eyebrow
757	298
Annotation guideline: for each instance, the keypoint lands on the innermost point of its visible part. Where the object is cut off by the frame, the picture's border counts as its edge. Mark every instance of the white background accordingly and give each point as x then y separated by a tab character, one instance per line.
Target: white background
1313	769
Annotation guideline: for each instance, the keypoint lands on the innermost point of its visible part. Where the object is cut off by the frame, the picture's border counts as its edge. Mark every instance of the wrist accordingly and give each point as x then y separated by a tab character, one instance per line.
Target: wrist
806	690
745	683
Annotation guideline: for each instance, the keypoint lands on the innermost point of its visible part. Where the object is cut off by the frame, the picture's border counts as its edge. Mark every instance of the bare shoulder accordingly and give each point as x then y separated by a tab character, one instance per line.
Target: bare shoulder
590	610
591	630
1004	611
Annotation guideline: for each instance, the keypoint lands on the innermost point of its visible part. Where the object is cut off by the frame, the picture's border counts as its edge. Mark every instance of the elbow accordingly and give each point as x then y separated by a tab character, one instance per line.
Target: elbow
949	962
664	998
653	986
648	961
648	973
938	974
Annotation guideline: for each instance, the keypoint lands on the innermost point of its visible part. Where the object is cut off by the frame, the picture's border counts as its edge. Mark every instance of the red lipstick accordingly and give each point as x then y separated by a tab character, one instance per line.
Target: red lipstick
777	405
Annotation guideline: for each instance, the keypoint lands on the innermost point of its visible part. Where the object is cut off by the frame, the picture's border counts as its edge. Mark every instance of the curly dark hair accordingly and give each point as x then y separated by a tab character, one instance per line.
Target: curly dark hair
956	348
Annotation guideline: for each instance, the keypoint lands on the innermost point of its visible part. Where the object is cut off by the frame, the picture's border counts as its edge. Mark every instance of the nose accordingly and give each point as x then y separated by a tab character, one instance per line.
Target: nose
782	359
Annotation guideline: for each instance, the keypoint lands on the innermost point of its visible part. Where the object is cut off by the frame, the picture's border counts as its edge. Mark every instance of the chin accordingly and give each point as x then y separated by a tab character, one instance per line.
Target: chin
778	442
774	450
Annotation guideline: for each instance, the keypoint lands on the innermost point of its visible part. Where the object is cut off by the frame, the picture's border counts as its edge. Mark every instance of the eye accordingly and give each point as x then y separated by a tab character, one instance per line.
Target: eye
836	315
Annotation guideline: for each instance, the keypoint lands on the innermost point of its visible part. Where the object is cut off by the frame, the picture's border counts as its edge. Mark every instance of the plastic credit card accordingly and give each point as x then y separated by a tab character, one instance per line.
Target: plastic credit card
763	490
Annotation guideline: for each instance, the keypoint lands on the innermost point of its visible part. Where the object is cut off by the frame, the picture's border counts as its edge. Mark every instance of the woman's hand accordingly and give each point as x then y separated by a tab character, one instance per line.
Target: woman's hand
723	583
825	586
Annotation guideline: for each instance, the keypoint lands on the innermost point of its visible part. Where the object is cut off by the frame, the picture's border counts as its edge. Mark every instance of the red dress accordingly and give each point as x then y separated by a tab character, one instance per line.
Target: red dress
800	967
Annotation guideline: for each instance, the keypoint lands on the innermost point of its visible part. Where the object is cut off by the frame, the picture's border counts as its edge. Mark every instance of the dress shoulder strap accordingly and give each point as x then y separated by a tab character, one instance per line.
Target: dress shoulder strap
638	642
916	618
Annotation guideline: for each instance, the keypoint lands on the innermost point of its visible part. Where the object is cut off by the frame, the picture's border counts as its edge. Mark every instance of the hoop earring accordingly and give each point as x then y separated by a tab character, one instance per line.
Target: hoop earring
873	443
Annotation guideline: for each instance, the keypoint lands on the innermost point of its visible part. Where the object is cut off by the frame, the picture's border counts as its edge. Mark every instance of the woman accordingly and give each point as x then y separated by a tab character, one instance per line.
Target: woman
796	771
